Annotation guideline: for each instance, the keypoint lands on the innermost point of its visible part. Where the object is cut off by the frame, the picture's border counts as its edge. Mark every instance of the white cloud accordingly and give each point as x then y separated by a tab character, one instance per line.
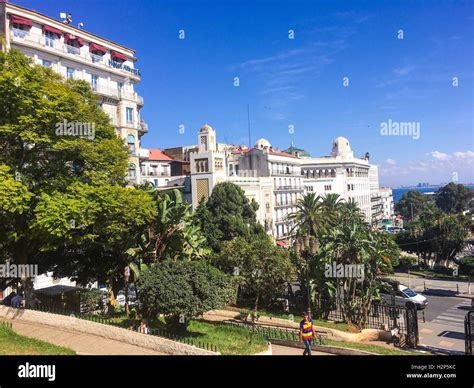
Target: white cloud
390	161
435	168
405	70
439	155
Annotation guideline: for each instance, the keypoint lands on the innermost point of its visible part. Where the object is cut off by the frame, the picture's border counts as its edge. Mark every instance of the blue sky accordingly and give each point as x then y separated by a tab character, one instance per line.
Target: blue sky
299	82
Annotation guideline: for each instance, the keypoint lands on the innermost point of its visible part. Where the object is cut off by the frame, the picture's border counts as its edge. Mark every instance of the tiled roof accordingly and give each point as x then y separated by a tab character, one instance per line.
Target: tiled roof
156	154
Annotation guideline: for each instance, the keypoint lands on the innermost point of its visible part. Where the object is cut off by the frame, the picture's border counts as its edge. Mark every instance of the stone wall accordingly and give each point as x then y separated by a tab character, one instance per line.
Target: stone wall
159	344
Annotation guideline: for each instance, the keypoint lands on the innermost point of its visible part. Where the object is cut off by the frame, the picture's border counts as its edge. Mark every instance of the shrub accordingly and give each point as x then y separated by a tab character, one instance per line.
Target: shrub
182	290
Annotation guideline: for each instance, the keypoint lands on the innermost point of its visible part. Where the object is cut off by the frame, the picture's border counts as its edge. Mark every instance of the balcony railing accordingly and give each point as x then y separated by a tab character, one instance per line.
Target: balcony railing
156	173
290	203
278	172
19	35
281	188
143	127
105	90
131	96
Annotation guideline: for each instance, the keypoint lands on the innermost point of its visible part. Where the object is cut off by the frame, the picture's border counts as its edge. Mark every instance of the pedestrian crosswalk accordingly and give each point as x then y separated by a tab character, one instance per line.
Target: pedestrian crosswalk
455	315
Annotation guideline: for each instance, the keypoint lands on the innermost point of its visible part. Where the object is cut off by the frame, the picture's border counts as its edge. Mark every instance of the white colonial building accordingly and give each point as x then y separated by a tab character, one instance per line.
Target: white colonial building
109	67
341	173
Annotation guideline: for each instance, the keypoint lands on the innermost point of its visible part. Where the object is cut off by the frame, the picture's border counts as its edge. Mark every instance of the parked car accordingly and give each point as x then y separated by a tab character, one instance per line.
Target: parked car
403	295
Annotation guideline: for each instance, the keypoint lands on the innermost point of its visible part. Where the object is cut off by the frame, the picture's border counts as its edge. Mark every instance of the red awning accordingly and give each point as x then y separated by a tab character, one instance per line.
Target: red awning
97	48
21	20
282	244
52	29
70	37
116	55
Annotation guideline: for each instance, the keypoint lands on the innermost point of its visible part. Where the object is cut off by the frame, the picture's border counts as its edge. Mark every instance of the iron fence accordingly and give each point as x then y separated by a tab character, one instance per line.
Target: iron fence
469	333
115	321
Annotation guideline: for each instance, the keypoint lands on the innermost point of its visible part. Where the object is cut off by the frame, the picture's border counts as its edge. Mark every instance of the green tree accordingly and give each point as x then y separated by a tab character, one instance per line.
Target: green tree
412	205
262	268
42	171
172	234
466	267
226	215
454	198
182	290
437	238
308	219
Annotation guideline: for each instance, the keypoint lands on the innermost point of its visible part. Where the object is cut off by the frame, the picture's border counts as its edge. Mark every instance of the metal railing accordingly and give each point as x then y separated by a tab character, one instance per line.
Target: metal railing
277	188
19	35
123	325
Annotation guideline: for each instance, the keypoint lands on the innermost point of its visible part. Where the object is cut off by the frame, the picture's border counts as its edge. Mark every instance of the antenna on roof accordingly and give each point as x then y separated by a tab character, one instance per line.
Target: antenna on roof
248	124
67	17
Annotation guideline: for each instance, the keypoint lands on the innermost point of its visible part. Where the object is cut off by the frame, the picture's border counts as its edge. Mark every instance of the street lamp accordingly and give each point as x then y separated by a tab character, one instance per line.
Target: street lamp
306	247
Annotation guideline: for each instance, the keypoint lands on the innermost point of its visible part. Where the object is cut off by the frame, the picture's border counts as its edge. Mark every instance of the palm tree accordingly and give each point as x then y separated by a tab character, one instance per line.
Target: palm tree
332	204
308	218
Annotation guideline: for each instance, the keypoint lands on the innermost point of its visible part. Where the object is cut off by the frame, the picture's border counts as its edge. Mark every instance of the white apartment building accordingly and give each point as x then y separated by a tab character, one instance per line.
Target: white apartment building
375	197
155	167
340	173
74	53
284	171
271	178
387	203
109	67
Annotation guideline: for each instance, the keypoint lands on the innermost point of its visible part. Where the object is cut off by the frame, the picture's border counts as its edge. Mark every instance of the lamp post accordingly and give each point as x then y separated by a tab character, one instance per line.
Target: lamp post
306	247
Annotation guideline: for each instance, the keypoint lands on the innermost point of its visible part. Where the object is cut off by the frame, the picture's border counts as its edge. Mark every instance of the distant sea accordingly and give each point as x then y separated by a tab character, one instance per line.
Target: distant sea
398	193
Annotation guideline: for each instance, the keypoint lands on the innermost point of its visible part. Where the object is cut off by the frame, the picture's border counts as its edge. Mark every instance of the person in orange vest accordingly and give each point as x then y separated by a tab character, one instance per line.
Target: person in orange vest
307	333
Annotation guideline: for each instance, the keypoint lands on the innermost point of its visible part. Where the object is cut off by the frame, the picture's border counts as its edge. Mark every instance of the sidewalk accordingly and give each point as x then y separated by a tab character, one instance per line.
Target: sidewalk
82	344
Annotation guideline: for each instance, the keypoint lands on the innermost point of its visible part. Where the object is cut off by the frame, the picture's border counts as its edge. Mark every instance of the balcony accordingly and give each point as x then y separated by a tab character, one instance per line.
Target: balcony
283	204
143	127
133	96
156	174
289	188
287	173
56	45
106	91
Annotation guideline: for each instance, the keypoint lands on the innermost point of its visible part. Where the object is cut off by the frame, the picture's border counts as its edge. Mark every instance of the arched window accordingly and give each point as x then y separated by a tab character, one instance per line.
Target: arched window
131	143
132	171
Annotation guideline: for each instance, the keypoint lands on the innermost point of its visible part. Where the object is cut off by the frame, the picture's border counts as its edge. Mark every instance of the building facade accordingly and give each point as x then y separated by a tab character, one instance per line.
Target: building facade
109	67
387	203
340	173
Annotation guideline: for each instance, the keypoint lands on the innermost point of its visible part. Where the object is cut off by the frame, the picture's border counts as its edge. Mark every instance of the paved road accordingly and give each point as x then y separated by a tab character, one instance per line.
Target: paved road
278	350
82	344
444	326
418	284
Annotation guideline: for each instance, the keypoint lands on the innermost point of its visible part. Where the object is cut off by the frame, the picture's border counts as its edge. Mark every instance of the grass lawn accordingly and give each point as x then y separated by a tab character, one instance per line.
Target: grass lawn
12	343
229	339
369	348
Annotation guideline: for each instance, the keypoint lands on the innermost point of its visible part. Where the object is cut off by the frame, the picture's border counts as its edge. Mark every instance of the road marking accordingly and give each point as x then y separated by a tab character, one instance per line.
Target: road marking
426	330
445	344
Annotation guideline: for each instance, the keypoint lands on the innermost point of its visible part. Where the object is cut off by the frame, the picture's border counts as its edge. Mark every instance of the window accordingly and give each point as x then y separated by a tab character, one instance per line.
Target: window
132	171
46	63
69	73
49	38
94	80
131	143
129	115
327	187
119	86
